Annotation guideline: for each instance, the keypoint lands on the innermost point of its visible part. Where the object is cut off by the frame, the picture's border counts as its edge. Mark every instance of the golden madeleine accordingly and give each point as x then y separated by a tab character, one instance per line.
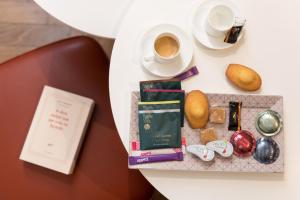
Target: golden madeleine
196	109
243	77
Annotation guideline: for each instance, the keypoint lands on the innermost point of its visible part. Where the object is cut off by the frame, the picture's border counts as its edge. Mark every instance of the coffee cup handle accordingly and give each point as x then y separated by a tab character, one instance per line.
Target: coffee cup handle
148	59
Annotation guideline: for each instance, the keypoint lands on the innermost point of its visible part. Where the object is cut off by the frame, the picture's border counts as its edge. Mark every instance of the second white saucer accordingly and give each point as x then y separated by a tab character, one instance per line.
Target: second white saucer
198	21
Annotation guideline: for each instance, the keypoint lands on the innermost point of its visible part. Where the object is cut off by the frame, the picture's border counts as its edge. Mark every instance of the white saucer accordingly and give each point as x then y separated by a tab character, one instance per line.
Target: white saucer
145	46
198	20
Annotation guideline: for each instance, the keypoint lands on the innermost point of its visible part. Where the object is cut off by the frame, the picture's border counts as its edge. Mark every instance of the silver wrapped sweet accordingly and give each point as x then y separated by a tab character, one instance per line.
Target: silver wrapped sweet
268	123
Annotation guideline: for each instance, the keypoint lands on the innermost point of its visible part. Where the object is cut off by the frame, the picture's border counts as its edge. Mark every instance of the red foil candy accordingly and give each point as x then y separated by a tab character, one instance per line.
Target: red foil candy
243	143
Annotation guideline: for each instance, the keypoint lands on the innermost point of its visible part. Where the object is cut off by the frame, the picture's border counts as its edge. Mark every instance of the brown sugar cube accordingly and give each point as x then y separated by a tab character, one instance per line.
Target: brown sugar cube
208	135
217	115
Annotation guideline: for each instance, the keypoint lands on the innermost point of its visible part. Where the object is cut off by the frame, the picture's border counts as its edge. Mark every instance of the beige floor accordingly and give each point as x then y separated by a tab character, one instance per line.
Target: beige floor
25	26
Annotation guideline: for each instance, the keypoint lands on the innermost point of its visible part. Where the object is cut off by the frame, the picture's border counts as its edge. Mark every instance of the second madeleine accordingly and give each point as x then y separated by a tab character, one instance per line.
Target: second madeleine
243	77
196	109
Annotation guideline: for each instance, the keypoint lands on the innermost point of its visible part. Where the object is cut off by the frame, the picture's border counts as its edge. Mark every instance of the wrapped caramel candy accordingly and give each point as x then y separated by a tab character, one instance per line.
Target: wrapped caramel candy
208	135
217	115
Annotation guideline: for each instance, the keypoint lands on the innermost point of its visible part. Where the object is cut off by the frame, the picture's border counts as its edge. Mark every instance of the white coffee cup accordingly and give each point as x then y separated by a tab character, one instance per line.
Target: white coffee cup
165	49
220	20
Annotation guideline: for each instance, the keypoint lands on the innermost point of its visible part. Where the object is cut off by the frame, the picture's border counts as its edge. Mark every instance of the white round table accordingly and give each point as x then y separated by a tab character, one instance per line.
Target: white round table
97	17
271	46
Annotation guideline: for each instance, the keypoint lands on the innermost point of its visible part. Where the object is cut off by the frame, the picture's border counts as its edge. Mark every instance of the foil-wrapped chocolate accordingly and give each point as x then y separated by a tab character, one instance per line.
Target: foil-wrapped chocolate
234	33
243	143
268	123
234	116
267	151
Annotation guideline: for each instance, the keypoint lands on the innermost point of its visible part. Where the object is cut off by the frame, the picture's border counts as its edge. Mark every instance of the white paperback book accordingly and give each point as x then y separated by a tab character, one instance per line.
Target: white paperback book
57	130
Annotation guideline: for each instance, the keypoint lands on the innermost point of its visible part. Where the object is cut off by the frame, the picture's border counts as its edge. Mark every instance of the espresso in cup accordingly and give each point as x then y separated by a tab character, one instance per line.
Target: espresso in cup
166	46
166	49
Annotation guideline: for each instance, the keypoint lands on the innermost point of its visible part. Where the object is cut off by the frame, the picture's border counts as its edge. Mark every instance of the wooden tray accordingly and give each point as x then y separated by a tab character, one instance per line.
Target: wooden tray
252	105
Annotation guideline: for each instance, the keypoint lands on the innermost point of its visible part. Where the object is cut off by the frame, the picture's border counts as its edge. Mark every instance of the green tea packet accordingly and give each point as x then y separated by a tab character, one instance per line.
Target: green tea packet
166	95
159	124
171	84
